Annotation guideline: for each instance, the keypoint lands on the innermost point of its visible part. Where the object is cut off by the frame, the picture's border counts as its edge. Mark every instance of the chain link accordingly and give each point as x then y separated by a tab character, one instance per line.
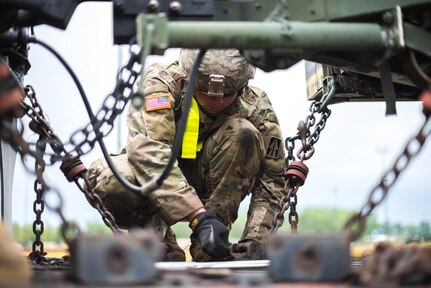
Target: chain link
38	253
293	215
97	203
355	226
308	139
290	146
284	205
39	124
42	127
14	138
83	141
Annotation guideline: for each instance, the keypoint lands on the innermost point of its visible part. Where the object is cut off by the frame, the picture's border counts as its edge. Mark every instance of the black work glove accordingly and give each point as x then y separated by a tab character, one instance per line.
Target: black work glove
212	234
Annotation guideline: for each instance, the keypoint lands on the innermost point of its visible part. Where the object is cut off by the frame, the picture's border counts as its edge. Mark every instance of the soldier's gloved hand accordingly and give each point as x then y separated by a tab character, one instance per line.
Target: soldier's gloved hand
212	234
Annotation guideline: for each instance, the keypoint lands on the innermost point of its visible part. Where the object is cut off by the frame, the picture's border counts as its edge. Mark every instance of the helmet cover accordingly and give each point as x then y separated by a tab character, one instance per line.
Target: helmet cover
229	63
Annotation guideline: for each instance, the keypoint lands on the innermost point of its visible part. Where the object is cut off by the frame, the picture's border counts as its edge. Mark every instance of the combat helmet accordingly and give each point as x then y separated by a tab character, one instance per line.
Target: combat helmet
221	72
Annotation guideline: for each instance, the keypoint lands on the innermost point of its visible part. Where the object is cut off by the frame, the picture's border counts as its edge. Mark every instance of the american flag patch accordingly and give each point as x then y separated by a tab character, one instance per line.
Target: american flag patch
156	102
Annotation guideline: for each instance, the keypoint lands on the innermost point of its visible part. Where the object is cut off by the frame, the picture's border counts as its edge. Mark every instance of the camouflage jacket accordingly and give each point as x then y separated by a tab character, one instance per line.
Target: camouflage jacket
176	198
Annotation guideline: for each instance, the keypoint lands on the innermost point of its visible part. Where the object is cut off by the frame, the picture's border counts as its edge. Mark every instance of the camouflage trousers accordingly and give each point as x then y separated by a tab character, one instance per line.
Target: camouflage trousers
130	210
223	173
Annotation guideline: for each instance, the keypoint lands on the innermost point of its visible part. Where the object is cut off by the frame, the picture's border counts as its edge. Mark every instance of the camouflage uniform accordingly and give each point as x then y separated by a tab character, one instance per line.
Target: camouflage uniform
242	153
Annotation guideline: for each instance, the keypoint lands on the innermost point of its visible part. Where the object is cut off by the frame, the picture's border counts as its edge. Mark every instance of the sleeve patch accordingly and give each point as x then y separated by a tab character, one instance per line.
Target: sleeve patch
157	102
274	146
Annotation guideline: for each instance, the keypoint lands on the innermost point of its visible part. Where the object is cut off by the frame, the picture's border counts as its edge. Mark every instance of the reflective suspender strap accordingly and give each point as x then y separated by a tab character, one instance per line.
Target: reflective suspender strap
190	139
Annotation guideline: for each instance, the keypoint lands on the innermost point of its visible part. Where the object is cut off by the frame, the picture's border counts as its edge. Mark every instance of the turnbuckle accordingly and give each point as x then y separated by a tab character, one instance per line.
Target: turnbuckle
296	173
72	168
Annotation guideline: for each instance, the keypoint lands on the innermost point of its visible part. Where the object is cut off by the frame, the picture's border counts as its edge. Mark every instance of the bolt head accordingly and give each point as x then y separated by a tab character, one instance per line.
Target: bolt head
388	17
153	5
137	101
175	6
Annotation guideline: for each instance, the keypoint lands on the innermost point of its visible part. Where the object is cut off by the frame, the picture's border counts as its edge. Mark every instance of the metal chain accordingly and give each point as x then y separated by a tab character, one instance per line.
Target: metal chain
37	254
14	138
284	205
355	226
293	215
97	203
82	141
308	139
40	125
290	146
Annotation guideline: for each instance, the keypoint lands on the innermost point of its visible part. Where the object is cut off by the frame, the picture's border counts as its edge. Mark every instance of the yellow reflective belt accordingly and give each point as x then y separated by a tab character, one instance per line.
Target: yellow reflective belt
190	139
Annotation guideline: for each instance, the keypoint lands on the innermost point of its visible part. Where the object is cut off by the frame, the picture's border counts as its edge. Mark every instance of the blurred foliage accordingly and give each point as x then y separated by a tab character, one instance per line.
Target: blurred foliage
24	234
97	228
311	220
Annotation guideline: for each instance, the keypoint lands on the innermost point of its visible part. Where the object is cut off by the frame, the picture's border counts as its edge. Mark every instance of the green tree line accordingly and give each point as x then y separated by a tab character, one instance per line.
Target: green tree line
311	220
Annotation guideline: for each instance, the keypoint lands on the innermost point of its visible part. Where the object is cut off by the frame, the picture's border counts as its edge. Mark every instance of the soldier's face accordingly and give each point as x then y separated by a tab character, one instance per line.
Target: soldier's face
214	105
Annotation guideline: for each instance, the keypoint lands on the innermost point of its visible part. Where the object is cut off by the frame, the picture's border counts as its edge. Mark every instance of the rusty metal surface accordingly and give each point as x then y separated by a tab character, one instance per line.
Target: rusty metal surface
194	278
115	259
248	250
182	266
388	266
311	257
396	266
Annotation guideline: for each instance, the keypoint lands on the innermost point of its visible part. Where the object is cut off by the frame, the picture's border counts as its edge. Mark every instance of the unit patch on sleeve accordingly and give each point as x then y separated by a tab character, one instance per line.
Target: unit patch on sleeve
274	147
157	102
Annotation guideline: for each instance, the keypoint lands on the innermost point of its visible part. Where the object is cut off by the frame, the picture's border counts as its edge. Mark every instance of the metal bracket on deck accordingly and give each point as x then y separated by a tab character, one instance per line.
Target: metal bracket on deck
309	257
114	259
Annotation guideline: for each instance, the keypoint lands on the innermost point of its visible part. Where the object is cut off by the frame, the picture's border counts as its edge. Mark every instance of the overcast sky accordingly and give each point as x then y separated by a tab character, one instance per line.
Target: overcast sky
354	149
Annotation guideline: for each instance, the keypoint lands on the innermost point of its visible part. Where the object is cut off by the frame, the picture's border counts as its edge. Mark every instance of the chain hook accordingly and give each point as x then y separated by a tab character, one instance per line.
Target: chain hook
302	132
297	171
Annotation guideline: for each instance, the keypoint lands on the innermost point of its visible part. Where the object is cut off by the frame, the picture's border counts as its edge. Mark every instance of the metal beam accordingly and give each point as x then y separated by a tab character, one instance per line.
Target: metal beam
257	35
343	10
181	266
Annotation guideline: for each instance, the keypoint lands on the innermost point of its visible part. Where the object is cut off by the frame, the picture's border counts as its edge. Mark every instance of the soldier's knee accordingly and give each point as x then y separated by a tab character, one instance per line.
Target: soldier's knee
246	137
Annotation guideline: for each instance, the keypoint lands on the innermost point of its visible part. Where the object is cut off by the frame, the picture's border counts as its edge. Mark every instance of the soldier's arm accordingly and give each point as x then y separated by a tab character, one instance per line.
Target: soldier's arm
269	188
151	135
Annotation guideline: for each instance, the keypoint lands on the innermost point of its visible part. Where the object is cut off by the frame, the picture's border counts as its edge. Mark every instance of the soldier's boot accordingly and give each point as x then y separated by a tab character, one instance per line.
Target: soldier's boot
173	251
